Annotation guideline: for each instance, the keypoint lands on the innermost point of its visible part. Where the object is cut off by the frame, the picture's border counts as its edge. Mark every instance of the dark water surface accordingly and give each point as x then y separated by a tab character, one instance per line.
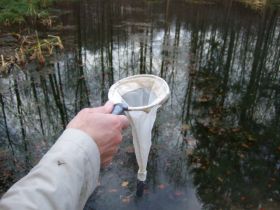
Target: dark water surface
216	143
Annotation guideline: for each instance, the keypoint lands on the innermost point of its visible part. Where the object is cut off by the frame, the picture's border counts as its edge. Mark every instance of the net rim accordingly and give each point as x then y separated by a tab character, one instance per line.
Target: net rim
158	102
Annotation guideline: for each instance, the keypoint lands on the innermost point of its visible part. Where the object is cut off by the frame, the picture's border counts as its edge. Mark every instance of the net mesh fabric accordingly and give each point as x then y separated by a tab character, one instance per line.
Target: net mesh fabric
140	92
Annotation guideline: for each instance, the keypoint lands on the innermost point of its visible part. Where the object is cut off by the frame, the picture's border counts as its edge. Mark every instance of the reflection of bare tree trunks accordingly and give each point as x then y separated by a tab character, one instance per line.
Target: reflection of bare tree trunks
143	53
37	105
46	97
22	126
260	55
57	99
110	44
277	106
151	49
165	52
6	125
102	84
61	91
227	67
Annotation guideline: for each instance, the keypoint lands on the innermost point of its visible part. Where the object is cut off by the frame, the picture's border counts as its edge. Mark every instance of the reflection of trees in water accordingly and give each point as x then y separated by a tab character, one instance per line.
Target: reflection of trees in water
7	132
259	71
232	167
236	160
223	73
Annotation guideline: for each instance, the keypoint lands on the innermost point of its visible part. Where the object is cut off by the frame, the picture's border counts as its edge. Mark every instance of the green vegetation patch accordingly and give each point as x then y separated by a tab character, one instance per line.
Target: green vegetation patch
16	11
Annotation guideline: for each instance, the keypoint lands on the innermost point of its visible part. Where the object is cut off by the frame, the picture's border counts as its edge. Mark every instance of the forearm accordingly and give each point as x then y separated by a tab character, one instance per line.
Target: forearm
63	179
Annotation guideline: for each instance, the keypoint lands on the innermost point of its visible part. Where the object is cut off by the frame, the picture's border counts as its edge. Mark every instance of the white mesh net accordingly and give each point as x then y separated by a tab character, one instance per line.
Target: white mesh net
143	94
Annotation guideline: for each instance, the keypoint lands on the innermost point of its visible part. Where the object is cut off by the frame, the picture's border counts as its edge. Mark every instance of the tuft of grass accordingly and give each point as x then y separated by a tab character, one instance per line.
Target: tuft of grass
255	4
17	11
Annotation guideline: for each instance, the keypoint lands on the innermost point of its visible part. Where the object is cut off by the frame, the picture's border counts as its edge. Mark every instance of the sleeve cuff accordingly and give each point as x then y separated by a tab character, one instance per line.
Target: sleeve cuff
81	139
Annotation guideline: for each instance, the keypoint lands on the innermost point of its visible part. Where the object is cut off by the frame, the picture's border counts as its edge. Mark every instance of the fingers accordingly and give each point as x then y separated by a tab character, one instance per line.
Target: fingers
118	121
106	109
124	121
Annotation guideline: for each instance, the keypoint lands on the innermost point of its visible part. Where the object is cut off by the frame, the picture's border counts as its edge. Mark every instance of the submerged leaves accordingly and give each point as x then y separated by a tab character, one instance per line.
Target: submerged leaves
124	183
126	199
161	186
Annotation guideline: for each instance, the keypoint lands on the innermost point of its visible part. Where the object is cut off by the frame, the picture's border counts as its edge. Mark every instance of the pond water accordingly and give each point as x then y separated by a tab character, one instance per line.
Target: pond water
216	142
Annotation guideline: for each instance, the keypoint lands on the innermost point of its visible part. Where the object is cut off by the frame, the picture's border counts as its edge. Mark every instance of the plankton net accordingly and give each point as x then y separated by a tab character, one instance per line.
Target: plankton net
140	96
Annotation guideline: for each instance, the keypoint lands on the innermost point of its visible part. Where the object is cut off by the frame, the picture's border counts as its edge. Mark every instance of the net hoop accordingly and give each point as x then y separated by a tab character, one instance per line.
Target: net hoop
159	86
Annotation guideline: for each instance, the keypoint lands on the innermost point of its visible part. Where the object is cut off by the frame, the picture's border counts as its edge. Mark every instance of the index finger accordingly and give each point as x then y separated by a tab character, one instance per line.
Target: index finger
106	109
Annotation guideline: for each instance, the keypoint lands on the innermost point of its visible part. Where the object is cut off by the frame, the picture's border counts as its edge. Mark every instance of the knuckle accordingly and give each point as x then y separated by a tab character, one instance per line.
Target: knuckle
88	110
84	110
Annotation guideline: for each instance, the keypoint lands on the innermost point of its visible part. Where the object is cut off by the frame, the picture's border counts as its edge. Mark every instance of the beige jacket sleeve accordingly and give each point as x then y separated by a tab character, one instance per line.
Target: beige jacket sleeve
63	179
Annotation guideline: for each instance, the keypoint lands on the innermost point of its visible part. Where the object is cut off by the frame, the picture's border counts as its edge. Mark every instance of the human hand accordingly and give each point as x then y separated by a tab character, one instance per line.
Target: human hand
104	128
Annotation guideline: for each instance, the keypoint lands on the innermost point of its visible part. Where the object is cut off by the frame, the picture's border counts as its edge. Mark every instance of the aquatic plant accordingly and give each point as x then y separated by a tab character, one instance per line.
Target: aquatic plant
30	48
